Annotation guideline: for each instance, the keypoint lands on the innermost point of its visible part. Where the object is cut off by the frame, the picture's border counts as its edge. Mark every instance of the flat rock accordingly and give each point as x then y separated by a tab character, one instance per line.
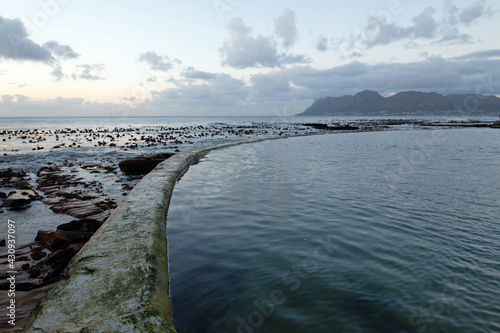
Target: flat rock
25	303
19	198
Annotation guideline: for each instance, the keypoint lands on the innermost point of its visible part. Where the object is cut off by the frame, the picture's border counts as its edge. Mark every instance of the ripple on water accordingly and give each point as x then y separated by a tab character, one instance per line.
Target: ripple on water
353	239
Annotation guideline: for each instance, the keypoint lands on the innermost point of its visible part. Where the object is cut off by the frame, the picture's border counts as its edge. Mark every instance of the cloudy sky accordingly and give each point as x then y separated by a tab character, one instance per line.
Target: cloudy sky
236	57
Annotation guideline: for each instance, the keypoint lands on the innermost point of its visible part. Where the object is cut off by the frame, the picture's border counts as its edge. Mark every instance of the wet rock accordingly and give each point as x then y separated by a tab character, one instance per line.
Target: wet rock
37	255
48	170
2	242
337	127
77	231
3	195
19	198
143	164
11	173
25	303
77	208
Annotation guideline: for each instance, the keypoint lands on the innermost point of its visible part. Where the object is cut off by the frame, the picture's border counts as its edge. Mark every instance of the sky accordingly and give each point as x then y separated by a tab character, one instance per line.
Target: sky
237	57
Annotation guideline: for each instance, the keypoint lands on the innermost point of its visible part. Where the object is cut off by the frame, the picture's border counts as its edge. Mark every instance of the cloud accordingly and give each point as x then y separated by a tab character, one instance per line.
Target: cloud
61	51
191	73
23	106
480	55
379	31
244	51
158	62
15	44
468	15
285	28
88	72
322	44
57	72
207	93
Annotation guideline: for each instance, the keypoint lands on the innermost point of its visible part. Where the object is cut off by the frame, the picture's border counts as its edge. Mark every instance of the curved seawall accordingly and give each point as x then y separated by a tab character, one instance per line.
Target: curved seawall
118	282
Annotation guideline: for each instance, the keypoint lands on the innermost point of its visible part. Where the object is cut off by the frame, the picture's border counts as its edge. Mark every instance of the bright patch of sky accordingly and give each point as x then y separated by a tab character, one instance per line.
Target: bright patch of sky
237	57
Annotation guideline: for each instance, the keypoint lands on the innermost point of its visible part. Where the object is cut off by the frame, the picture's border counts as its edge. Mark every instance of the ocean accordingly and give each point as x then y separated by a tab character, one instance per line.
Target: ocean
381	231
354	232
27	144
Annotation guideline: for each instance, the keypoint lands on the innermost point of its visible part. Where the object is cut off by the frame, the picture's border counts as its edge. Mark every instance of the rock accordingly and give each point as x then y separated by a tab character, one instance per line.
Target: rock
2	242
77	231
25	303
76	247
38	255
11	173
54	257
3	195
52	240
78	209
143	164
48	170
19	198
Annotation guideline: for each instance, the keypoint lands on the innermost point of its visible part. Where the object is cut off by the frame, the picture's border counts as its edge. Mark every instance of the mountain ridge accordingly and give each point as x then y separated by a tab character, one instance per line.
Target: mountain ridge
368	102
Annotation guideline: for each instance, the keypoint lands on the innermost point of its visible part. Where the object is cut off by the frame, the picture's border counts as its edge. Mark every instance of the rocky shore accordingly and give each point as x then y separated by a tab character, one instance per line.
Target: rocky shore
40	265
88	191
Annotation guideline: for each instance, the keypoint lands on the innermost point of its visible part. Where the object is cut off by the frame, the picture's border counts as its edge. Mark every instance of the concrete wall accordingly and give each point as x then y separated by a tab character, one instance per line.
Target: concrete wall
118	282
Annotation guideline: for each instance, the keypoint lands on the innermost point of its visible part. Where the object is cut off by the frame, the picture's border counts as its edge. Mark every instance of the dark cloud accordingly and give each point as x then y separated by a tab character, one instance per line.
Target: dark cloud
158	62
243	50
15	44
285	28
480	55
470	14
61	51
89	72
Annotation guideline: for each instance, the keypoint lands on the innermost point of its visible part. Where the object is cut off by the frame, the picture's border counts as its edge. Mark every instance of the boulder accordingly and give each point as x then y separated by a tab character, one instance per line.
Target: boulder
143	164
77	231
19	198
37	255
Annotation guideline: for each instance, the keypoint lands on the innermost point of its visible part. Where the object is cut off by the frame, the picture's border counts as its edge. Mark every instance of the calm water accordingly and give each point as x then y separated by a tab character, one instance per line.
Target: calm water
360	232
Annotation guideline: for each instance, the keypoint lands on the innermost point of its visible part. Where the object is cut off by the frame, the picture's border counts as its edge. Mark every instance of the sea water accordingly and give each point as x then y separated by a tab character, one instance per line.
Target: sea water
354	232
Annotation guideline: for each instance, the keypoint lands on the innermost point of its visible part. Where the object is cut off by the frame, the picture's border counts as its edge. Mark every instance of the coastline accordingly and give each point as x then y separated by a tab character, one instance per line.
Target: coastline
194	155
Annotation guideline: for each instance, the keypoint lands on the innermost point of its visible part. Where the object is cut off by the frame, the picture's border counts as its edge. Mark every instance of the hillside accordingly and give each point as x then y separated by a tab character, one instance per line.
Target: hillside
371	103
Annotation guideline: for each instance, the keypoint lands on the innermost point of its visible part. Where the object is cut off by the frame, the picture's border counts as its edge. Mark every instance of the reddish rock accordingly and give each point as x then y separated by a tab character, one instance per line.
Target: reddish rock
25	303
45	237
55	256
76	231
38	255
76	247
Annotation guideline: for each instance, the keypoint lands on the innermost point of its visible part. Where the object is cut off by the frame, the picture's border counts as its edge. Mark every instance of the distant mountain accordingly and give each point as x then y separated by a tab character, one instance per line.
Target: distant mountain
371	103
